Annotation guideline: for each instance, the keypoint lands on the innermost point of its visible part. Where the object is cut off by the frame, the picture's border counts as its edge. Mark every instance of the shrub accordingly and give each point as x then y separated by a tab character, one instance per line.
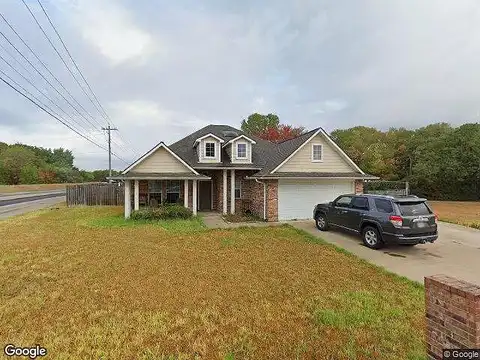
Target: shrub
175	211
164	212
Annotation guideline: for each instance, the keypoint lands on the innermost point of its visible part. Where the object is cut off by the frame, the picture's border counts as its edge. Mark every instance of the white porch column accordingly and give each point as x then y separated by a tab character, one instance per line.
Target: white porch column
225	192
185	193
232	191
128	204
194	197
136	195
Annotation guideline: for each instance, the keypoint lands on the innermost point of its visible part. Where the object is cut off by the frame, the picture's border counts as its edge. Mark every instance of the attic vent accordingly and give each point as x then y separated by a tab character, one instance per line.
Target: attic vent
230	134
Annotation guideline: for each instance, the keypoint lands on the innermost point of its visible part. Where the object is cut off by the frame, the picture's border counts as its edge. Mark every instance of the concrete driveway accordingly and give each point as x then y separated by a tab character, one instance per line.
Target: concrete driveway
456	252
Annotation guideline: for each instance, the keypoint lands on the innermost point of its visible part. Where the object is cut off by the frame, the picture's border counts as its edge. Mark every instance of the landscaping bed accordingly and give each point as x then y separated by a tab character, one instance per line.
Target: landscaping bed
85	283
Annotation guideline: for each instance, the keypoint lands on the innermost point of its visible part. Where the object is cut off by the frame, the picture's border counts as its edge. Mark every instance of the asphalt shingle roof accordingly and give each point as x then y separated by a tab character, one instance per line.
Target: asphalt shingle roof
184	148
266	155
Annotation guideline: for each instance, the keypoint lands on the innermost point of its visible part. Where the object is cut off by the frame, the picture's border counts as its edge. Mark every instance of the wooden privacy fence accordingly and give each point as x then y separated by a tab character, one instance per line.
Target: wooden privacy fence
95	194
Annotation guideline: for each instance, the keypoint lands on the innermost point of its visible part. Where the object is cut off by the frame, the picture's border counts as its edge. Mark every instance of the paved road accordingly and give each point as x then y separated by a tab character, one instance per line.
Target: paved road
455	253
20	203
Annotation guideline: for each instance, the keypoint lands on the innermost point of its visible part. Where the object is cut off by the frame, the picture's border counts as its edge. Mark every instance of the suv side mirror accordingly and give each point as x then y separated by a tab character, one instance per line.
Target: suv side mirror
330	203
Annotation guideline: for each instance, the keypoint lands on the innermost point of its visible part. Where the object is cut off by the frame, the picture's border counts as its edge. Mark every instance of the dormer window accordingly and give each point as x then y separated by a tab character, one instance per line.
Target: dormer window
241	150
317	153
210	150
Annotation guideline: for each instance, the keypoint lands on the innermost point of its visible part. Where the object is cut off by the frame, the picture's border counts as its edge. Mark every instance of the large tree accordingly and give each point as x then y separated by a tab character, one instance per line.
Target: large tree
258	123
268	127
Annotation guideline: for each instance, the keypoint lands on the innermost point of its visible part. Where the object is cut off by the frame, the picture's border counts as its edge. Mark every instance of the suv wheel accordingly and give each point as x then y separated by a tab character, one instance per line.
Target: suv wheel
321	222
371	238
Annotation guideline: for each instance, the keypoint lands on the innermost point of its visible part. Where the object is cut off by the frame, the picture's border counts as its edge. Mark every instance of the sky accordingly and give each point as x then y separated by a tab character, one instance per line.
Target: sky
163	69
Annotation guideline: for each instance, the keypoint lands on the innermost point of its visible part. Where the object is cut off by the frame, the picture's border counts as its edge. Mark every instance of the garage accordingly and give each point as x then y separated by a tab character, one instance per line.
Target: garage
297	197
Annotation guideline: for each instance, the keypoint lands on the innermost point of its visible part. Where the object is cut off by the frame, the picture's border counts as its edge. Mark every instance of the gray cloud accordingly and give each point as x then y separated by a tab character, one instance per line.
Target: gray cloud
163	69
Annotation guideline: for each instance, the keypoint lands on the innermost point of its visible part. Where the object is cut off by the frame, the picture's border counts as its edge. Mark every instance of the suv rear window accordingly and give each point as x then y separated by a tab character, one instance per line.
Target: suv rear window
384	206
413	209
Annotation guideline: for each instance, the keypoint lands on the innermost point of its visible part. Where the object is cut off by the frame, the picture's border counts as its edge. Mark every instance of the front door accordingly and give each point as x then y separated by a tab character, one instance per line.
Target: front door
205	195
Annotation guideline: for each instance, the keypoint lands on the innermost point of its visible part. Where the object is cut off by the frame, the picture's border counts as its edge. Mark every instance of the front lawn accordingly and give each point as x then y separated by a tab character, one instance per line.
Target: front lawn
465	213
84	283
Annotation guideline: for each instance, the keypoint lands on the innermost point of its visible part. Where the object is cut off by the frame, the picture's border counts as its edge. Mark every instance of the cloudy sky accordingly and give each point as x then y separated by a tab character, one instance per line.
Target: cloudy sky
162	69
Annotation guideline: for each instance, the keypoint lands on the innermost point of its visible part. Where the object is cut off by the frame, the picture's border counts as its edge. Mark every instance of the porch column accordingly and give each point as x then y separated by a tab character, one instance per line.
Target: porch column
232	191
128	204
136	195
185	193
225	191
194	197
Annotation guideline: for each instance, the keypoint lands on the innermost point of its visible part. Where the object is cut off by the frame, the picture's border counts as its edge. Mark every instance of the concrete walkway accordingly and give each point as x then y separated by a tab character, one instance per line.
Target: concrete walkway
214	220
456	252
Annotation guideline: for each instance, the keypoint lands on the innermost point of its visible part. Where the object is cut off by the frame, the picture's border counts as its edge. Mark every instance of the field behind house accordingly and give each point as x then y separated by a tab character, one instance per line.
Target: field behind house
86	284
459	212
6	189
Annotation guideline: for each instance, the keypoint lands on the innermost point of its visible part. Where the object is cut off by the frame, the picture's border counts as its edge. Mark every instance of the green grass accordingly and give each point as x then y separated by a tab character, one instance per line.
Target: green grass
85	283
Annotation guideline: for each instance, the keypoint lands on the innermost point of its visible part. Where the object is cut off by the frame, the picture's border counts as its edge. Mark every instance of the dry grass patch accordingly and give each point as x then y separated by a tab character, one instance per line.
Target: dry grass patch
6	189
86	289
465	213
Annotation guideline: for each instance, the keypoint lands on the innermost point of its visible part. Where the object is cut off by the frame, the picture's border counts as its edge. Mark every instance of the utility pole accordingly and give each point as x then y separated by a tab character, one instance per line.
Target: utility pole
109	130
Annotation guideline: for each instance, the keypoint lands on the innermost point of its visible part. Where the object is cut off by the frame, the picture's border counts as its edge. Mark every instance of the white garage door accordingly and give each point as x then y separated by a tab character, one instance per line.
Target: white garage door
296	198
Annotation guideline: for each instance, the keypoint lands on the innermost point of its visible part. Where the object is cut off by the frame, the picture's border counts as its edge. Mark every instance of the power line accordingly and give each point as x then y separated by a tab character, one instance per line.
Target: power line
34	86
105	114
46	67
58	53
73	61
29	93
33	66
51	114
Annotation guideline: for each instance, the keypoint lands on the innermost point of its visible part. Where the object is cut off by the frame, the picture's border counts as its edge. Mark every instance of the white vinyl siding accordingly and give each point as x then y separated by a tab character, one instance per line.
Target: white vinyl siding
161	161
201	150
298	197
332	161
248	147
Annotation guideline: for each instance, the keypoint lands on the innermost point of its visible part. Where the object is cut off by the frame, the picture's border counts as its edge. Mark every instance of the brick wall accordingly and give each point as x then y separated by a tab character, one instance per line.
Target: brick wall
254	194
453	315
358	186
272	200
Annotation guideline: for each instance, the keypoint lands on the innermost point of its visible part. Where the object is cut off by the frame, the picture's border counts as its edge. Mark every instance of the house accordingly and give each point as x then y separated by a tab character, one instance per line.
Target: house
220	168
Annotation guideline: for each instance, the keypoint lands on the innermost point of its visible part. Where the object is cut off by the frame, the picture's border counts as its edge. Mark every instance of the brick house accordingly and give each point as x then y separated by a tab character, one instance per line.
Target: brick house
220	168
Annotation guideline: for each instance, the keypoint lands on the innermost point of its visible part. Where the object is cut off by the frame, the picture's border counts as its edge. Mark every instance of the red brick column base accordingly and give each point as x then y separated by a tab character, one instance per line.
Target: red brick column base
358	186
453	315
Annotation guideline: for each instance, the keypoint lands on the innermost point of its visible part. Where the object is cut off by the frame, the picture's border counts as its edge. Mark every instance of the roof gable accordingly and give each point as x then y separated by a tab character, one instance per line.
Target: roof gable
209	135
240	137
160	156
307	140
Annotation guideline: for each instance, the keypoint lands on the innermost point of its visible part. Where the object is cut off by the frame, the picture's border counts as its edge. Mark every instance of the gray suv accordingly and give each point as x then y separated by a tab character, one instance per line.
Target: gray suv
380	219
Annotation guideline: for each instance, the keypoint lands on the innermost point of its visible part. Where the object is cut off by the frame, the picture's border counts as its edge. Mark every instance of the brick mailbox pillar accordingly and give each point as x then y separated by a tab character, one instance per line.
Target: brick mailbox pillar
453	315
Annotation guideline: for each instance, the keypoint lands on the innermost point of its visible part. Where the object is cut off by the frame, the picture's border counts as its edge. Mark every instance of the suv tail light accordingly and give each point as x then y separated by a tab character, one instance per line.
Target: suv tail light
436	219
396	221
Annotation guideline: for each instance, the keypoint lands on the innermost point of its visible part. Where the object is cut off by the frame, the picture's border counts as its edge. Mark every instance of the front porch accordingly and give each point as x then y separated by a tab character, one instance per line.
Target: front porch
211	190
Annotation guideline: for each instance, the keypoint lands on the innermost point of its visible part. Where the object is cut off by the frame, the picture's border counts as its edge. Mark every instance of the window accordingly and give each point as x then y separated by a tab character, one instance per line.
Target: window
317	152
209	149
383	206
344	201
238	189
241	150
173	191
154	192
360	203
414	209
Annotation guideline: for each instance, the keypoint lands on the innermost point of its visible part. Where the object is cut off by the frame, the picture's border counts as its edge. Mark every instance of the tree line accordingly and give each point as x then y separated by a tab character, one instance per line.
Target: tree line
439	161
25	164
